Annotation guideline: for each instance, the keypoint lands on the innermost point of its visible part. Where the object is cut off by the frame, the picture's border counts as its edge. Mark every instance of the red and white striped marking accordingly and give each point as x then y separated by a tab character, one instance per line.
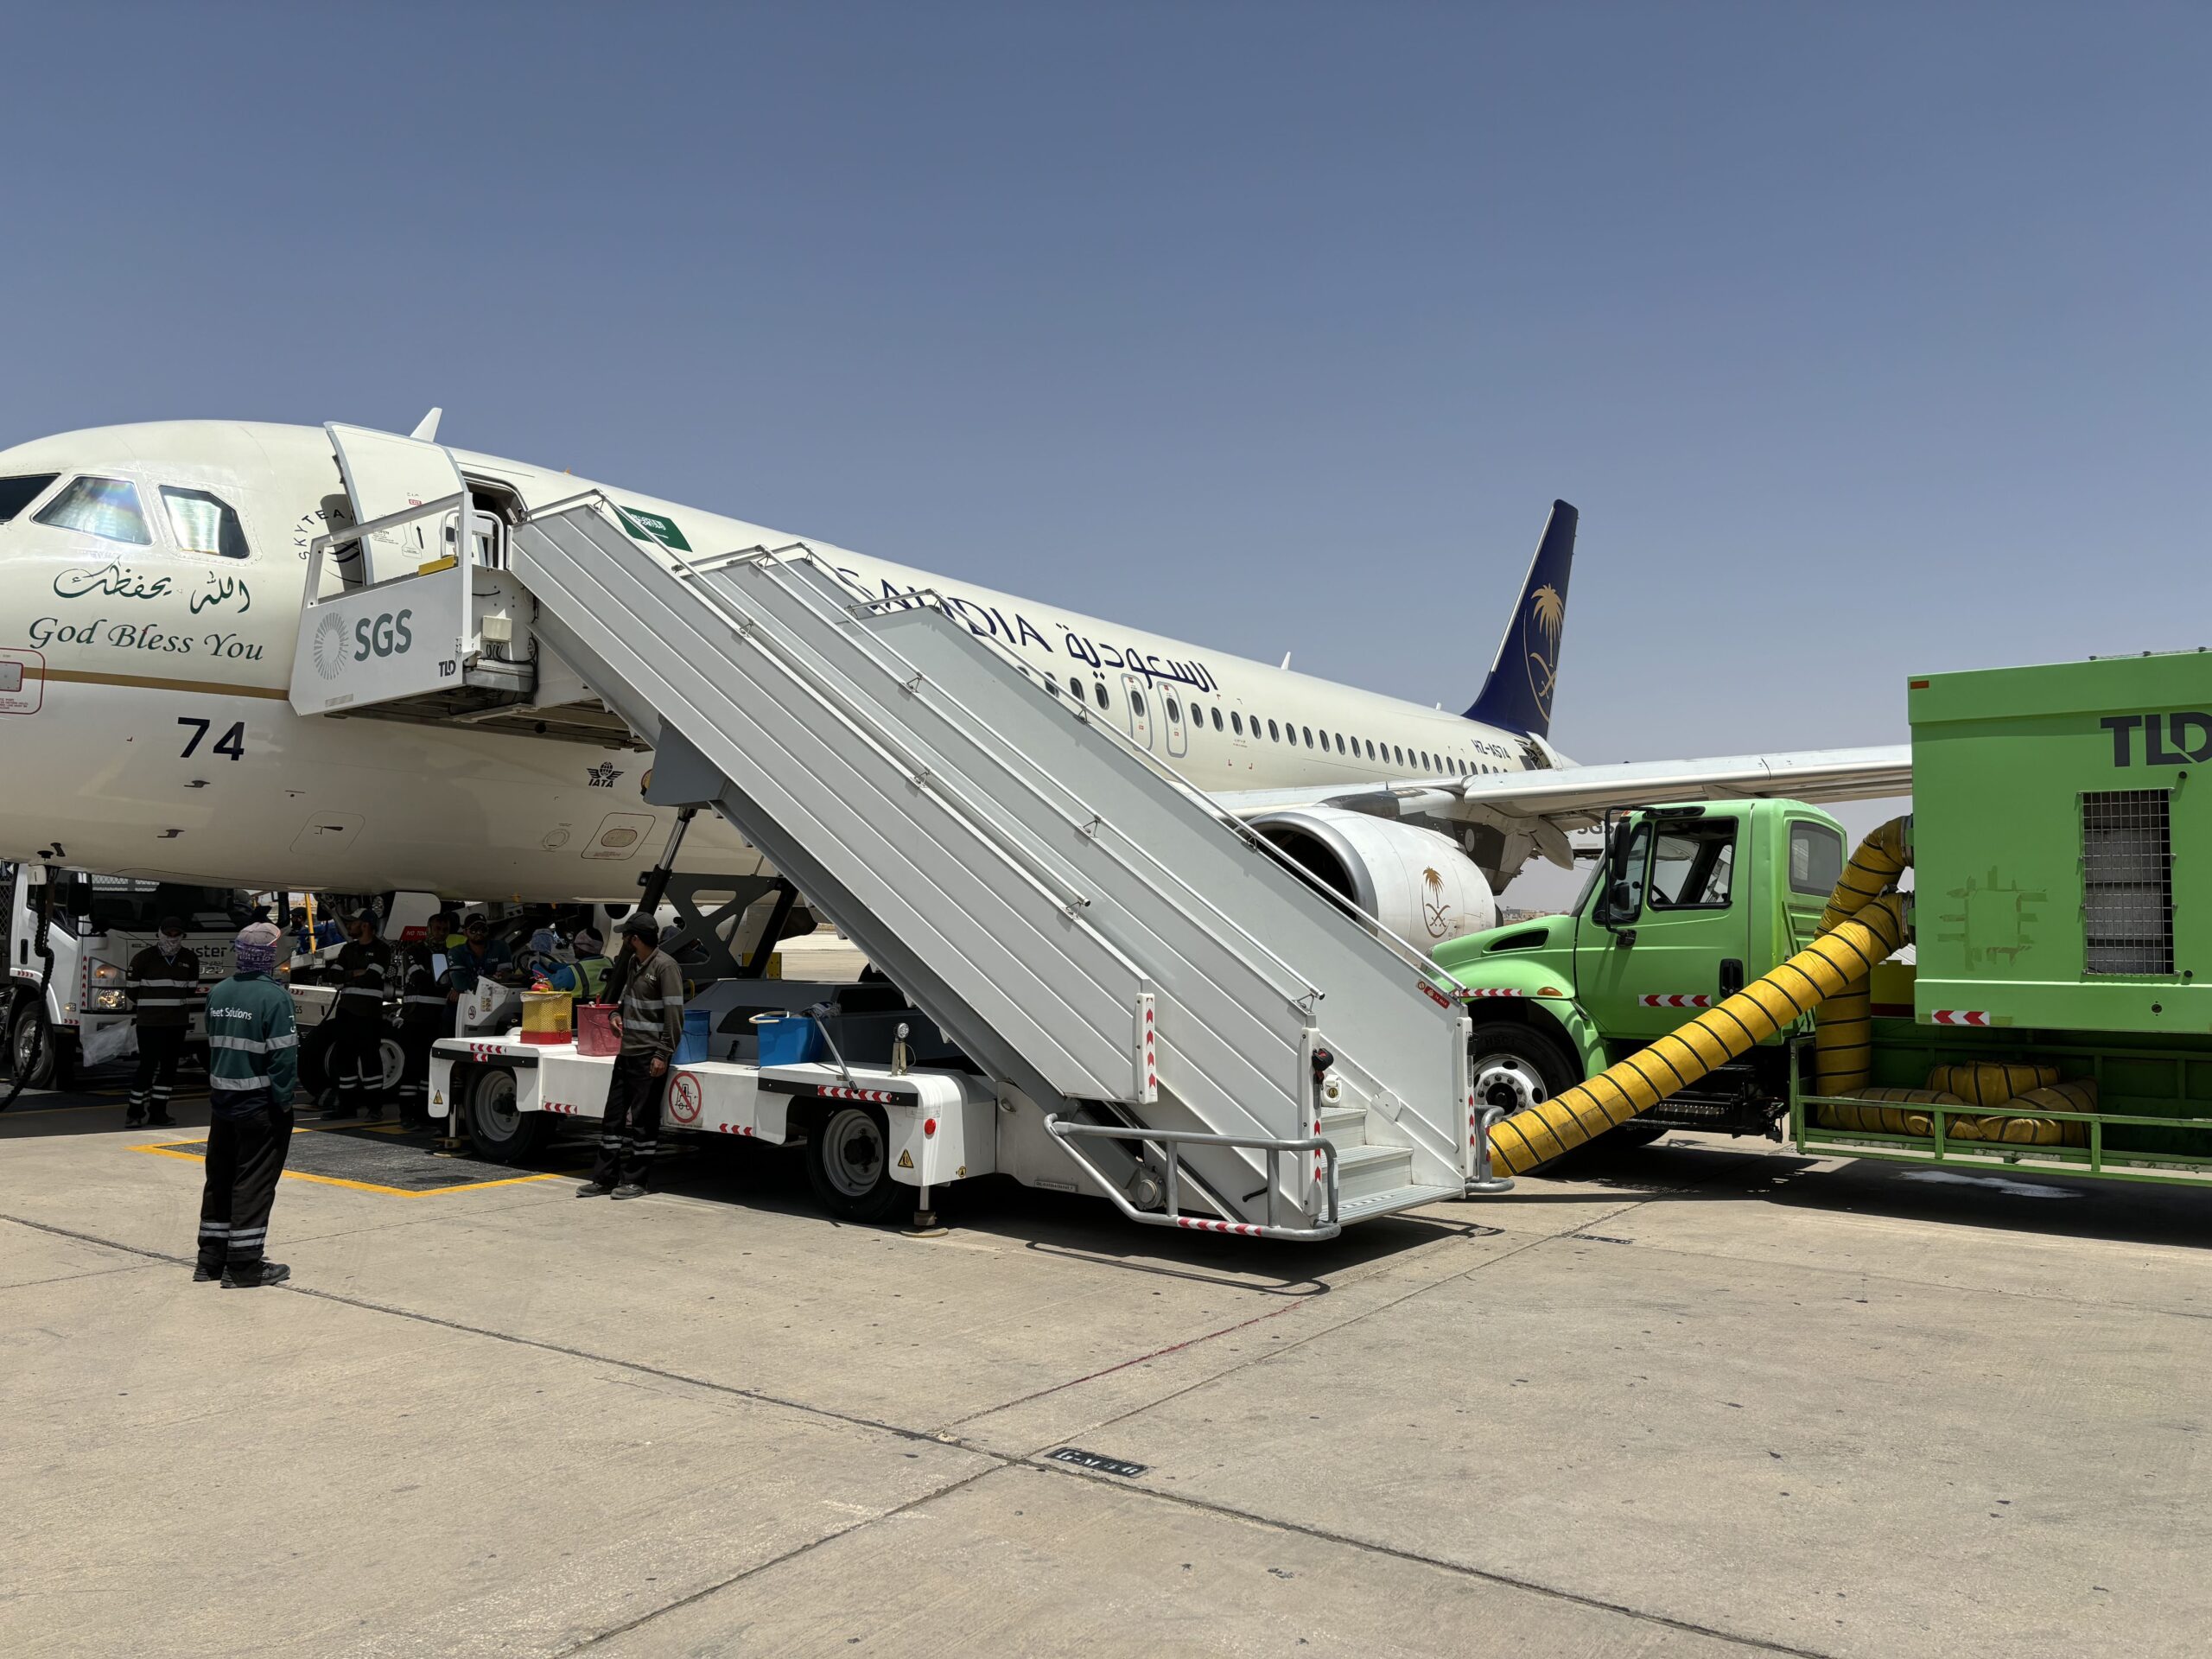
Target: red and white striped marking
732	1128
840	1091
1202	1224
489	1051
1677	1000
1960	1017
563	1107
1492	990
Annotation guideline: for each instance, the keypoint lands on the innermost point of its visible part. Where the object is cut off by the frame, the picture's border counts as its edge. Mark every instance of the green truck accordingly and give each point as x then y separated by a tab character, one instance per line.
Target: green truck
2050	1016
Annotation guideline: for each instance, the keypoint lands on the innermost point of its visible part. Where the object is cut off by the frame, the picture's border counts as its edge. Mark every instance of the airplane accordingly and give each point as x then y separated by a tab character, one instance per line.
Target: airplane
152	578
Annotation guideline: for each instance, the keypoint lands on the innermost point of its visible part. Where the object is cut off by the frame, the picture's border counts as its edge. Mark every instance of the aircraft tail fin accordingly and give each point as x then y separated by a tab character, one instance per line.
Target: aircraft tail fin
1517	696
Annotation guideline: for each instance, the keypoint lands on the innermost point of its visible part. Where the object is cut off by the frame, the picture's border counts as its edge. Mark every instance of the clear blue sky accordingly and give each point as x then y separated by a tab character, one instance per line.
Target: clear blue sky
1869	339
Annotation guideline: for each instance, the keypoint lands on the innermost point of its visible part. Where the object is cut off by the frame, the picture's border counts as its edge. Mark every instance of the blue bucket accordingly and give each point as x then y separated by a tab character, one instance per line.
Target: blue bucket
792	1041
697	1028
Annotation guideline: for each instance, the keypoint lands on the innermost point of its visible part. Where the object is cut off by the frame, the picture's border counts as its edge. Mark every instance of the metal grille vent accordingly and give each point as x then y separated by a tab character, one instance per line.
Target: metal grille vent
2127	881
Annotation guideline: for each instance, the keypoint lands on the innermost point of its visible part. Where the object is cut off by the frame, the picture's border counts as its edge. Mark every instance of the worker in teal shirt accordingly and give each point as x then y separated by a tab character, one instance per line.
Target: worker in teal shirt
253	1060
584	978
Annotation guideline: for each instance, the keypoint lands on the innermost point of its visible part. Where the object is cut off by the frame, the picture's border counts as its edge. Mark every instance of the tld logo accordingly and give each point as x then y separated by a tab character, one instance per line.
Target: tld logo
2173	739
383	636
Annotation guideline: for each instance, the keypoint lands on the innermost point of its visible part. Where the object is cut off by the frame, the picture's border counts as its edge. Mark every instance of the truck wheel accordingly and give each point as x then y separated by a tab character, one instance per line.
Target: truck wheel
314	1058
498	1131
34	1054
848	1164
1516	1066
395	1063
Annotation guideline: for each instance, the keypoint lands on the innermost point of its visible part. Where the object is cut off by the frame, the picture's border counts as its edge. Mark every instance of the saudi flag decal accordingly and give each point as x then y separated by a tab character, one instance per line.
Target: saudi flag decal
651	527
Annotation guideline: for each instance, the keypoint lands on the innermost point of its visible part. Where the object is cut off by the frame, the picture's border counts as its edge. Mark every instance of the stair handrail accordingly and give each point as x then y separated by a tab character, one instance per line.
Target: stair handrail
1276	1148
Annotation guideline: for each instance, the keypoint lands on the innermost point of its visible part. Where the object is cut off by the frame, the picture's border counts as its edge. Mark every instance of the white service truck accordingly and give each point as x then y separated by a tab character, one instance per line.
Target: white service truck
78	1012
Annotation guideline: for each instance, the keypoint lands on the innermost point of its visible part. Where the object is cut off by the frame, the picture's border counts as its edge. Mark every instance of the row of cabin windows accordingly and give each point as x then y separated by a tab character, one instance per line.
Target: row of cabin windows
109	508
1381	754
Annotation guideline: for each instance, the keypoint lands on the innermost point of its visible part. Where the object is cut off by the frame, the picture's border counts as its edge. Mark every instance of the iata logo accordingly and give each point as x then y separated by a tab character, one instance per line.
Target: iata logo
1541	628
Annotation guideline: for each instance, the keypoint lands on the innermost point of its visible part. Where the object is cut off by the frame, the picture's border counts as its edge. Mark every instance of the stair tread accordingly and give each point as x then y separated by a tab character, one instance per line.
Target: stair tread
1359	1156
1396	1199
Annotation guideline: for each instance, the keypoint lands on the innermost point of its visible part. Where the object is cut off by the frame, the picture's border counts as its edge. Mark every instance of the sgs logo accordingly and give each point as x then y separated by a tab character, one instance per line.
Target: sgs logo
382	636
387	635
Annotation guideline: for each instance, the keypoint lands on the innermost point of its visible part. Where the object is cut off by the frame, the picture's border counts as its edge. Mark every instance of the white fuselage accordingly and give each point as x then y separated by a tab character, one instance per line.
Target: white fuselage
152	733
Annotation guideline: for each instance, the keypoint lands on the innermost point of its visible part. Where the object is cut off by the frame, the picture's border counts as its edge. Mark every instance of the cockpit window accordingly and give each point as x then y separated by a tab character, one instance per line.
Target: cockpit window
203	523
16	494
106	507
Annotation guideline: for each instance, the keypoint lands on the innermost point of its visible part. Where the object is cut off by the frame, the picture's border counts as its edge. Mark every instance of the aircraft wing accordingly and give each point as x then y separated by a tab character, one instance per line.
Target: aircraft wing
1544	804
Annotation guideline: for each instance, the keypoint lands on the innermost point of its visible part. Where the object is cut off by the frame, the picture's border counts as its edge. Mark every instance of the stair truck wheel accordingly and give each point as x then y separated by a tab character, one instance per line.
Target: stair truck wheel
34	1056
498	1130
848	1164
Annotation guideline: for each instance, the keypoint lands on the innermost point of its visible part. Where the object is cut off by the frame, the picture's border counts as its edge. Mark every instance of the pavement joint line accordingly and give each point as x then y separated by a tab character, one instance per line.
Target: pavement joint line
790	1554
1292	1346
1756	1644
997	1460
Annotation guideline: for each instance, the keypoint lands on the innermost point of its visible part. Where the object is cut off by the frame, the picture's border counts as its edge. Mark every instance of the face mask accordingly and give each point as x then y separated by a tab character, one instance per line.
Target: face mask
171	943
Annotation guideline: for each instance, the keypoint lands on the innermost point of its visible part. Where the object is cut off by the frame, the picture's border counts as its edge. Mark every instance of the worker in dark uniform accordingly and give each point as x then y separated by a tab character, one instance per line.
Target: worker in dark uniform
164	988
357	1056
650	1017
253	1058
424	1017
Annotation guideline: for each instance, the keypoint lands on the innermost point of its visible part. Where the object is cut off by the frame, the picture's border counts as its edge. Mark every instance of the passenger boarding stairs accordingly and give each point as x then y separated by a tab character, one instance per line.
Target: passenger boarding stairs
1209	1040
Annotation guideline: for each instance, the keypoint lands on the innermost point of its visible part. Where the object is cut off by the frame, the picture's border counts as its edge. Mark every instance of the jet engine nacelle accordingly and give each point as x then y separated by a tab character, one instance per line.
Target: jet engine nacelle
1416	882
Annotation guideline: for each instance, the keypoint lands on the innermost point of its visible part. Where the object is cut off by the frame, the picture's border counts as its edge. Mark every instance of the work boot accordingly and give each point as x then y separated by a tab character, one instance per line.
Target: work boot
204	1274
594	1189
160	1120
375	1114
250	1275
337	1112
629	1189
134	1119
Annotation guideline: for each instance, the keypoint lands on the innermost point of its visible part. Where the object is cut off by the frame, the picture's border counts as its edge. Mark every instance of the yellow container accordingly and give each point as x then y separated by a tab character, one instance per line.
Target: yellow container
546	1015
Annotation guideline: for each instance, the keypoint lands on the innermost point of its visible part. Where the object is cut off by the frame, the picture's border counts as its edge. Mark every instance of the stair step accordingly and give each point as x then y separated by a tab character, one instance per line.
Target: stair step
1362	1171
1389	1202
1345	1125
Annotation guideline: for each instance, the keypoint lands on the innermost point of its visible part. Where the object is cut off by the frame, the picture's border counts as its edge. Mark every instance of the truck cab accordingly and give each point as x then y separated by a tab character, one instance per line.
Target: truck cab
80	1012
1683	905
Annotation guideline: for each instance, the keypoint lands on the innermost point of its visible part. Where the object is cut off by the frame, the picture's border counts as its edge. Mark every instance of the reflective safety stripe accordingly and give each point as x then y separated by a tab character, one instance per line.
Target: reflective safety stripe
243	1044
261	1082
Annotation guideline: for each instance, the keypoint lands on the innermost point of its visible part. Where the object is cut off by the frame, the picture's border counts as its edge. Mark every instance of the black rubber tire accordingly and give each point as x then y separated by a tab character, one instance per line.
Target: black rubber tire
314	1058
497	1132
47	1070
1526	1046
850	1181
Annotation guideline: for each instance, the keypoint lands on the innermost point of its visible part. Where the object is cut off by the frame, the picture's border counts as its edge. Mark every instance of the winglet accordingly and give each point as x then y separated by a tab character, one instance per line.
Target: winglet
427	428
1517	696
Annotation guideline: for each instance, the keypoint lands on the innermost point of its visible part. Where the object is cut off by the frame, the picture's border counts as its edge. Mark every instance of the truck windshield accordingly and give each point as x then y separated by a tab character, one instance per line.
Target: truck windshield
116	902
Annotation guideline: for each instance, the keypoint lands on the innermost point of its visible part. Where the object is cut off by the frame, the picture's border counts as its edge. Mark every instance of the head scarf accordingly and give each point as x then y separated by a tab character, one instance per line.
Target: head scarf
256	948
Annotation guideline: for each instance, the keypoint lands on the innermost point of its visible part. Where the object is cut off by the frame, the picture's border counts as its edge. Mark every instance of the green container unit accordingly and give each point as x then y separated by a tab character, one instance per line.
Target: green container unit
2063	910
2062	846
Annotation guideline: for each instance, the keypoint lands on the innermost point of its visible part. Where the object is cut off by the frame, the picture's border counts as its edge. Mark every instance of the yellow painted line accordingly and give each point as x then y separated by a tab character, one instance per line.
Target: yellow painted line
148	682
169	1149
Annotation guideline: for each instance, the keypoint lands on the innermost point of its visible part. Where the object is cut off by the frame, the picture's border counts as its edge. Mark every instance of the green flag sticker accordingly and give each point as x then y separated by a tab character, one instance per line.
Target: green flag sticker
651	526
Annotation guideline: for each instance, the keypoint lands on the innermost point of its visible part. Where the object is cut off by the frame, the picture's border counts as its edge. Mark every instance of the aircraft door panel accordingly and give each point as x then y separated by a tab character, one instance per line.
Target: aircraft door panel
386	474
1171	708
1138	709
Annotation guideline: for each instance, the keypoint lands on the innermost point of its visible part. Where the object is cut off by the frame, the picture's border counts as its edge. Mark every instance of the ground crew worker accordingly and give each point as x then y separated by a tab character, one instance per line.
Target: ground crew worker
423	1017
651	1019
357	1056
477	955
163	984
585	977
253	1059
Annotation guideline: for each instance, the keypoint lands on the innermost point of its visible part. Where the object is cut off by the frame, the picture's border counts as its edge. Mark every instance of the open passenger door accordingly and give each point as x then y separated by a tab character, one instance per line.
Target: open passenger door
402	630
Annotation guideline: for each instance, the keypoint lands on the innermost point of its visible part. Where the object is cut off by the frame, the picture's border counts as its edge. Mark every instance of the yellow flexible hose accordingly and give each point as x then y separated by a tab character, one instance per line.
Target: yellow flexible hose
1843	1041
1844	954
